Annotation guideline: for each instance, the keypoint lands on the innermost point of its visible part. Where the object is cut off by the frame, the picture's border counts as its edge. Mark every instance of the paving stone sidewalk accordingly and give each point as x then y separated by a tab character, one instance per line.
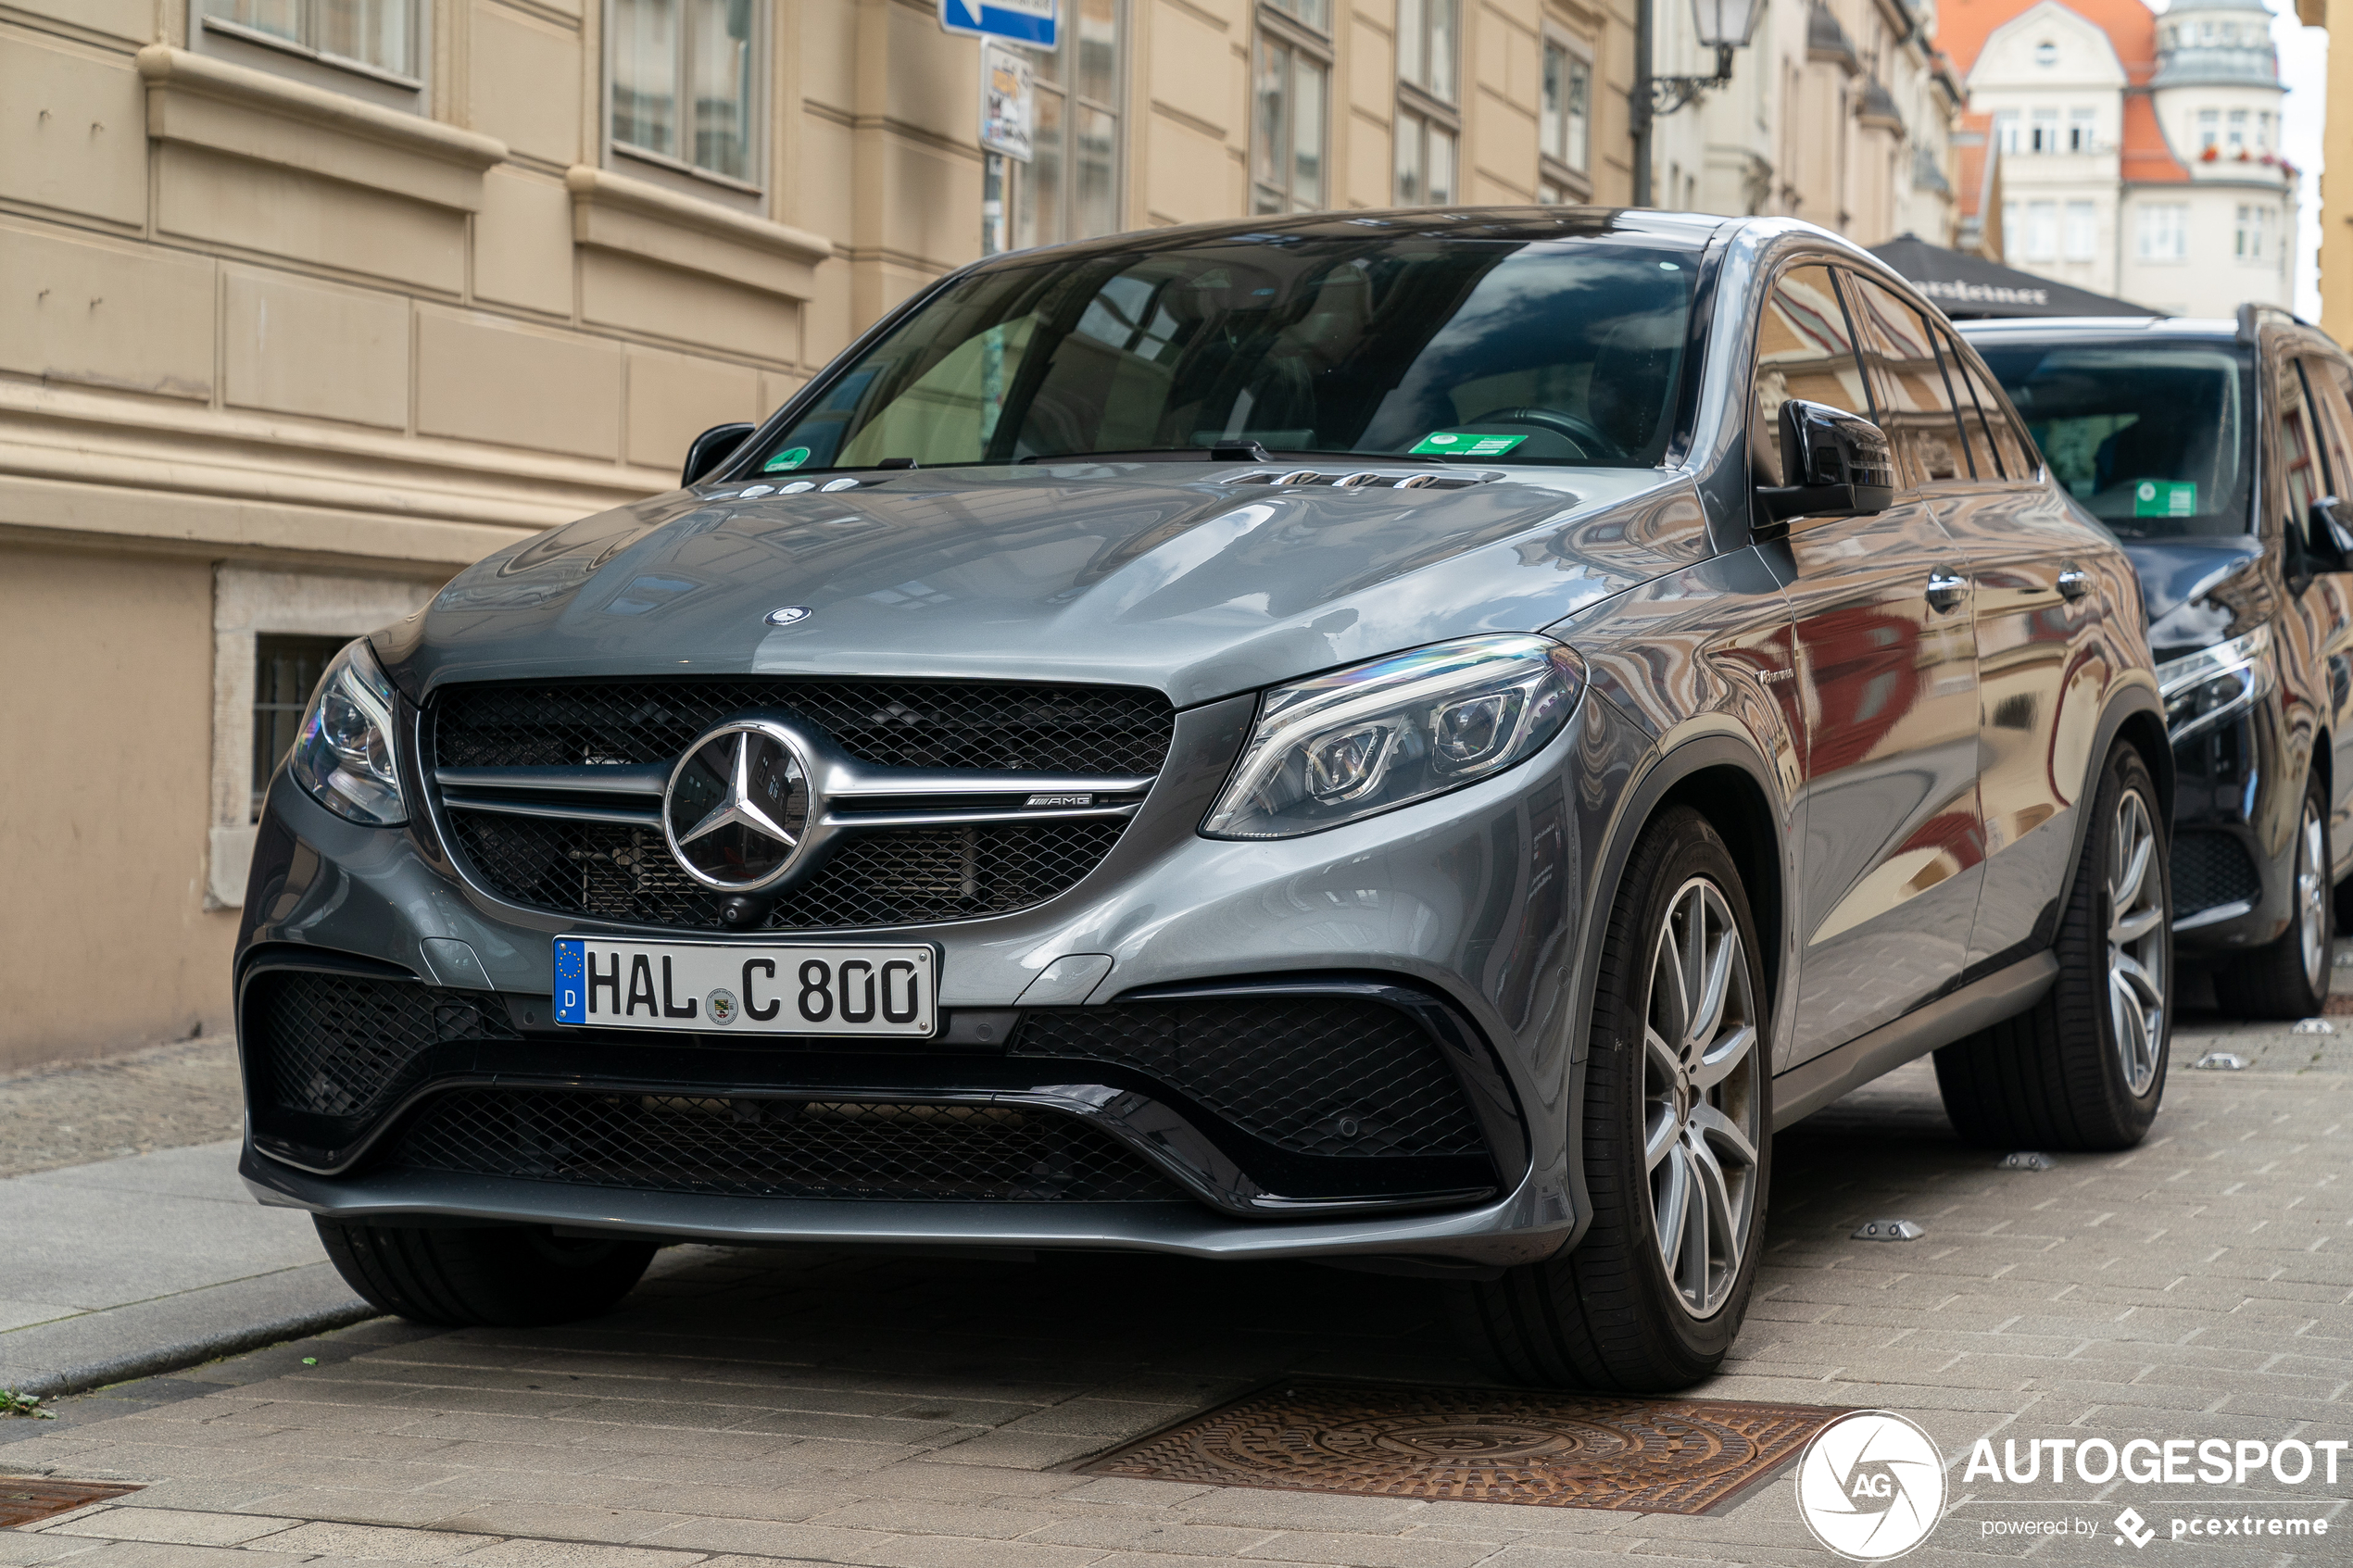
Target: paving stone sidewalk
748	1407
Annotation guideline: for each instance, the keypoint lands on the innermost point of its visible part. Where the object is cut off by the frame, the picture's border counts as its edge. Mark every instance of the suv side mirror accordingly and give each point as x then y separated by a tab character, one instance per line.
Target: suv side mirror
1840	465
710	448
2330	527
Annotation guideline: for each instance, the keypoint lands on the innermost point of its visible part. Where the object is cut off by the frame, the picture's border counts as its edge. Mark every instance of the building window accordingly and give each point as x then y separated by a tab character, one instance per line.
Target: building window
2209	127
1425	161
1286	130
1425	46
683	85
2082	230
2253	241
2046	130
2007	134
2041	231
1069	190
1566	126
2237	142
2080	130
379	36
2164	232
2263	130
1308	13
2047	54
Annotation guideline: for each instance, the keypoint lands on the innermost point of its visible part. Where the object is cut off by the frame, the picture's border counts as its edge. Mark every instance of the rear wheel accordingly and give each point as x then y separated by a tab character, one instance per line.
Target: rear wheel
500	1276
1676	1140
2290	978
2084	1068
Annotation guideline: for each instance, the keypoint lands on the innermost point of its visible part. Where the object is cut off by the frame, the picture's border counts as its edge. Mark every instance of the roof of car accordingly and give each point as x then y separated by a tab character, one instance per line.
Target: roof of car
2102	326
1522	223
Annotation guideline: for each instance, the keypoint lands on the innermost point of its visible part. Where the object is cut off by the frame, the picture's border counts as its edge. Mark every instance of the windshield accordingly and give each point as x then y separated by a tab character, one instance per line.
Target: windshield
1544	352
2152	440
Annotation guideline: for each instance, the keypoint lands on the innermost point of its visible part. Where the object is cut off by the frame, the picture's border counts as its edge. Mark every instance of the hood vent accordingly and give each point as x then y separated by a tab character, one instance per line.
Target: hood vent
1369	480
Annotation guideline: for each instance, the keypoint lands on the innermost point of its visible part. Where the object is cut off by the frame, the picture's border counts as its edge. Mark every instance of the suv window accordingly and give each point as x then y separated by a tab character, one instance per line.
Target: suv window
2296	447
1914	404
2155	439
2326	383
1805	349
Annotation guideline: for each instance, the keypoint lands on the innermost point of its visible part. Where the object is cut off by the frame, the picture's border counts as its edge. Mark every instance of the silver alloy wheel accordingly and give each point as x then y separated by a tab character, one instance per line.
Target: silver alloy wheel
2136	943
1700	1101
2312	896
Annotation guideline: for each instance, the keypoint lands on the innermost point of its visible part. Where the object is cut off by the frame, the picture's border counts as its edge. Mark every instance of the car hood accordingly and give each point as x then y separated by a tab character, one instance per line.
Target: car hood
2201	592
1195	585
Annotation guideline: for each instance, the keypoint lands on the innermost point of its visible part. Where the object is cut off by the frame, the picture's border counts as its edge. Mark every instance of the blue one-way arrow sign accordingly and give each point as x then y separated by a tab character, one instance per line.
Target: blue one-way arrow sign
1021	21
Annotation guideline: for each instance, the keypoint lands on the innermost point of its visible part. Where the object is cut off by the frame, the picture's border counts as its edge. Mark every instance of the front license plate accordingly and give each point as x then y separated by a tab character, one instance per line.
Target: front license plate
715	986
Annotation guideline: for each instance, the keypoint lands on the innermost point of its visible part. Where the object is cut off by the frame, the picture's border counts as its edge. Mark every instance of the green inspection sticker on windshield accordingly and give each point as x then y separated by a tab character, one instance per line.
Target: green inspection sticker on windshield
1463	443
2163	497
790	458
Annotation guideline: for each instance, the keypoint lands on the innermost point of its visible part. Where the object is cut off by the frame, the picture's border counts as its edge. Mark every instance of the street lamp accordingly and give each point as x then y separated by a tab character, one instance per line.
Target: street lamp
1723	26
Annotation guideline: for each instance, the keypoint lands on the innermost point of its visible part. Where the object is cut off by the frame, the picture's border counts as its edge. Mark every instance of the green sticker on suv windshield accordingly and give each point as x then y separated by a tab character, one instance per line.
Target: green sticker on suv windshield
1463	443
790	458
2165	497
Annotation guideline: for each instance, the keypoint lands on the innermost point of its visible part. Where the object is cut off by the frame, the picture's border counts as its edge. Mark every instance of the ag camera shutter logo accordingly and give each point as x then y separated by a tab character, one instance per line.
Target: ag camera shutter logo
1871	1485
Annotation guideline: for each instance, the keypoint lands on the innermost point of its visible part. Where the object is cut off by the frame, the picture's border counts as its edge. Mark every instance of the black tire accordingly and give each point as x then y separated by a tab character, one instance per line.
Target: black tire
499	1276
2274	980
2060	1075
1606	1315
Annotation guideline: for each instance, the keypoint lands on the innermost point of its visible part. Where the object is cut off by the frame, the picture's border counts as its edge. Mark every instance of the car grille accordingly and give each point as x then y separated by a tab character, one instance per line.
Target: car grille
902	876
330	1045
2210	870
893	724
778	1149
1317	1075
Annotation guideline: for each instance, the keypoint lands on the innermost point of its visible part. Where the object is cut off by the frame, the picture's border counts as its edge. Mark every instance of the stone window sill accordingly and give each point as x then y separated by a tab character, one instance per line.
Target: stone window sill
637	218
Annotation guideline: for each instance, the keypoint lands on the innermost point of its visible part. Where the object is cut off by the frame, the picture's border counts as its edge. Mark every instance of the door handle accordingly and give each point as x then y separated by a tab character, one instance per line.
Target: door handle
1946	590
2073	581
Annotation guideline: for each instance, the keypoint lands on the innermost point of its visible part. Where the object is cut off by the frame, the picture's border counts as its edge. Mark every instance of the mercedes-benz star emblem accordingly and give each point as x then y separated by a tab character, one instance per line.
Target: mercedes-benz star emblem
738	807
789	615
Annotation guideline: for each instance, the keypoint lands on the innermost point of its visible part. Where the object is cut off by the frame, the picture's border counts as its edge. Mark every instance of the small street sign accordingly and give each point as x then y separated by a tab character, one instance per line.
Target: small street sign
1033	22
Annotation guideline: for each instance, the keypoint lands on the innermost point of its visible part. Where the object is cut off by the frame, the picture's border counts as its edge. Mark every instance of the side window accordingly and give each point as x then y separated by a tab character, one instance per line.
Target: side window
2014	456
2296	448
1914	408
1804	349
2326	383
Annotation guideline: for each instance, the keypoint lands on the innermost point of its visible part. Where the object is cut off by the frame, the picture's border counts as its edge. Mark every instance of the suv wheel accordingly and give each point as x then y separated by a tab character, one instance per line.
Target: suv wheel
2084	1068
2290	978
499	1276
1677	1141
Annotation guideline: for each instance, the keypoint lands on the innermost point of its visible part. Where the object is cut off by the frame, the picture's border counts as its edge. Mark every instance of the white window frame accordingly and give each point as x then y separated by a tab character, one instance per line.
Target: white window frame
1279	27
2163	232
682	172
1555	167
2038	243
305	61
247	604
2082	130
1426	132
2079	231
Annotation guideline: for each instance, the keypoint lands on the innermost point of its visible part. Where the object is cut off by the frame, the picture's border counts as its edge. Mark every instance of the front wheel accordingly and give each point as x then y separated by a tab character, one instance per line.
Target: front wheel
2290	977
495	1276
2084	1068
1677	1141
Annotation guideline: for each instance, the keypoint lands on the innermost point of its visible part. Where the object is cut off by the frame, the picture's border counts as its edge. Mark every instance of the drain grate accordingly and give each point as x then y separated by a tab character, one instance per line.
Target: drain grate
1480	1445
27	1499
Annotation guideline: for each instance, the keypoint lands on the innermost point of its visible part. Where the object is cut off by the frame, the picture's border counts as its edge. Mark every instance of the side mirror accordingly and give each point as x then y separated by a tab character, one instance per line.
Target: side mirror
2331	529
1838	464
710	448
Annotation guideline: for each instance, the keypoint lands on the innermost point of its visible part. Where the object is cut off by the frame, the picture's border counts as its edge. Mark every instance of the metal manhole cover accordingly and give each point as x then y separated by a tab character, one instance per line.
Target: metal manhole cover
28	1499
1480	1445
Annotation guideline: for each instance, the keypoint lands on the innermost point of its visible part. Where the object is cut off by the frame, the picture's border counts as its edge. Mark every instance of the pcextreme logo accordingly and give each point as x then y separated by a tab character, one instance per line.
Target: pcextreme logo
1871	1485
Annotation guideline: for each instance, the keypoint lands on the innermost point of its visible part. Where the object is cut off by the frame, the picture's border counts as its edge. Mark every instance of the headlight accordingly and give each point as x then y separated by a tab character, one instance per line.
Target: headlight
1401	729
2204	688
344	754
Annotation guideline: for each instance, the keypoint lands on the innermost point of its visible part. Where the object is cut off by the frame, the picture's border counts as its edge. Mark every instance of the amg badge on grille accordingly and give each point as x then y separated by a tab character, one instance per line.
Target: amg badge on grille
736	807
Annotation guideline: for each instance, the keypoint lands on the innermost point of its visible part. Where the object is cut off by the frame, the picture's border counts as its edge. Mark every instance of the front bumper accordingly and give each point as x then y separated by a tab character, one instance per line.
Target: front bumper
1463	907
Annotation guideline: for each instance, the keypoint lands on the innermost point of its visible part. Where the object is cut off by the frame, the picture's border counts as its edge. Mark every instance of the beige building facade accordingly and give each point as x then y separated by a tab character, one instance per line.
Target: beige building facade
305	304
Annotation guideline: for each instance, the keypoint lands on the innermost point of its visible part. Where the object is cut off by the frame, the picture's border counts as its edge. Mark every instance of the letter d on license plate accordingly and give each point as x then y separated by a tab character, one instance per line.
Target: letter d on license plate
725	987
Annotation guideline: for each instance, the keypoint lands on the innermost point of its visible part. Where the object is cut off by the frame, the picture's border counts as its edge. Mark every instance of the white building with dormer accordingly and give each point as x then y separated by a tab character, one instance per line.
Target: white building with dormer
2140	151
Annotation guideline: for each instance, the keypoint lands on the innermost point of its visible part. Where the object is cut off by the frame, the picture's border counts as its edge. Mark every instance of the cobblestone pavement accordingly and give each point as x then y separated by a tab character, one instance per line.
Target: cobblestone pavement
746	1407
74	1113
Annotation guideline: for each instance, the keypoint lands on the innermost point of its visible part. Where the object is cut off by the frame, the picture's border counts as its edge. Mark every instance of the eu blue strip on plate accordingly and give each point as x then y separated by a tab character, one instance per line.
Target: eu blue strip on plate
572	991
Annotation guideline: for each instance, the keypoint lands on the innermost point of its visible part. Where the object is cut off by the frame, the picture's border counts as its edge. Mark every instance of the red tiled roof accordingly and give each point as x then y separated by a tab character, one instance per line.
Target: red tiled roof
1972	148
2147	158
1963	26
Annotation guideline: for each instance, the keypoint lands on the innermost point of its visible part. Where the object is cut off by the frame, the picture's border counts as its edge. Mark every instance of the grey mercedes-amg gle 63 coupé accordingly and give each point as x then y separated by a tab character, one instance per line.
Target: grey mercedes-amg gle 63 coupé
1415	740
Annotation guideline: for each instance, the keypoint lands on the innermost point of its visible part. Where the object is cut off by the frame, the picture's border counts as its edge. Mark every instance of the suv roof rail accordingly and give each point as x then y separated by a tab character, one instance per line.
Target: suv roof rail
2251	315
